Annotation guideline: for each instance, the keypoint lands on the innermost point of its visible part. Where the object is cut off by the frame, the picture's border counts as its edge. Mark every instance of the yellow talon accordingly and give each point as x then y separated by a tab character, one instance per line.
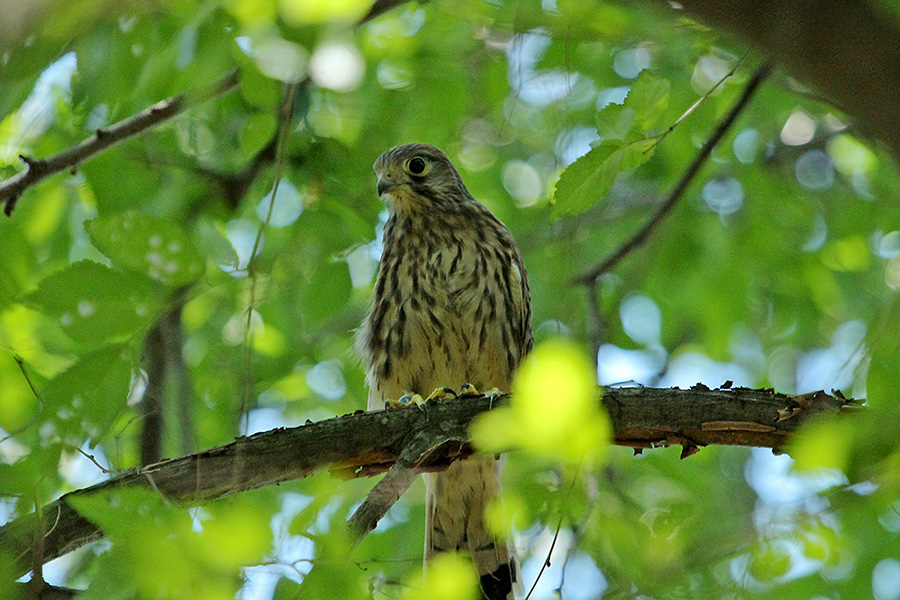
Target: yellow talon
441	394
467	390
404	401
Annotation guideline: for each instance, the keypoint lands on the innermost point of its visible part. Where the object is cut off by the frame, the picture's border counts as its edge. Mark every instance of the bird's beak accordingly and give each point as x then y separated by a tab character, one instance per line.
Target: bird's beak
384	185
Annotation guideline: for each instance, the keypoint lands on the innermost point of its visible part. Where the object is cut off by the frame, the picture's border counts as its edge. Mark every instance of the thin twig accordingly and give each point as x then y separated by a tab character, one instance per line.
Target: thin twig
547	560
104	138
694	106
91	458
594	318
21	364
641	236
285	116
556	534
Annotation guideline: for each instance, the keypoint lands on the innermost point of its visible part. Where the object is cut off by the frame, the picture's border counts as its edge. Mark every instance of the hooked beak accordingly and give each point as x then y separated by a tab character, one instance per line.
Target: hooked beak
384	185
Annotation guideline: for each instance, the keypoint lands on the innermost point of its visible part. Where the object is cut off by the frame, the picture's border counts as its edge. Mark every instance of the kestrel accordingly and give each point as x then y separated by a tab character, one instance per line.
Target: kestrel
451	306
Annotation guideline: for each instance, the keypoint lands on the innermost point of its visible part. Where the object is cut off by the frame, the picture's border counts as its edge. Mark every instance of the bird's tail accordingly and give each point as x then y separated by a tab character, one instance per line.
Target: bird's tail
454	521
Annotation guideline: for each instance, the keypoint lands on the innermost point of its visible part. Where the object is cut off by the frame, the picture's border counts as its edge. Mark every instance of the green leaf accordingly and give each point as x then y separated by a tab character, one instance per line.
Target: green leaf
554	410
257	132
90	395
645	103
587	180
881	380
212	241
648	98
148	245
327	291
823	444
615	122
93	303
17	265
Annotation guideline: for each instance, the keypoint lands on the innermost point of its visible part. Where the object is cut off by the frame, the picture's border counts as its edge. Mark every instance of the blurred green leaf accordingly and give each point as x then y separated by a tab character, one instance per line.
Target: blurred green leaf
16	267
151	537
326	292
554	409
823	444
258	132
149	246
88	397
882	392
93	303
768	563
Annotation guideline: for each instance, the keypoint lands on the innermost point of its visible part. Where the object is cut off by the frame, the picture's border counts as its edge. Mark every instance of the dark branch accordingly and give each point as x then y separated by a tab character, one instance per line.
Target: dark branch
379	7
848	50
364	444
102	139
641	235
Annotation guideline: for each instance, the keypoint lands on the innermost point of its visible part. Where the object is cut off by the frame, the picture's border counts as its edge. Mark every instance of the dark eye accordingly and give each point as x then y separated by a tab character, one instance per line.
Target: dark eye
416	165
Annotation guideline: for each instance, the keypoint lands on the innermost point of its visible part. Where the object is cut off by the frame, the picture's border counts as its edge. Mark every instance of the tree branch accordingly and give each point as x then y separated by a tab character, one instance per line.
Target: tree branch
848	50
365	444
102	139
641	235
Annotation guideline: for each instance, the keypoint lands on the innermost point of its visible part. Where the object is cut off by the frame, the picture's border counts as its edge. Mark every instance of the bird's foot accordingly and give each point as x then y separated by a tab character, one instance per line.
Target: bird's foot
441	394
467	390
406	400
493	394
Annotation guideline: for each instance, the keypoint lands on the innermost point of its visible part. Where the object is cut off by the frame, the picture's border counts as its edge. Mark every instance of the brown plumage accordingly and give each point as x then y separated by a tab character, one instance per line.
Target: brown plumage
451	306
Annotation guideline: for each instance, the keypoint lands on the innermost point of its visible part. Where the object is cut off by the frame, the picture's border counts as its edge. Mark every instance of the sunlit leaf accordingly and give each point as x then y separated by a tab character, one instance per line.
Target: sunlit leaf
649	99
18	403
17	266
151	537
823	444
587	181
304	12
847	254
554	411
448	576
768	563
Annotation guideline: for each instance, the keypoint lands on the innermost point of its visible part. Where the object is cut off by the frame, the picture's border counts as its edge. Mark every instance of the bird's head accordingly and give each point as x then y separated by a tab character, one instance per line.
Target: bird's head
417	177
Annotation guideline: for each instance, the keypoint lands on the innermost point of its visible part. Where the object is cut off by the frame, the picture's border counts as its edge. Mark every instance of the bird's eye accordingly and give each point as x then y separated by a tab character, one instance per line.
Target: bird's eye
416	165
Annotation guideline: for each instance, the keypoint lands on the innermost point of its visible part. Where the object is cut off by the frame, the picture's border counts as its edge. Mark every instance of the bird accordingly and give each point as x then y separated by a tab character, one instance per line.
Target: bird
451	309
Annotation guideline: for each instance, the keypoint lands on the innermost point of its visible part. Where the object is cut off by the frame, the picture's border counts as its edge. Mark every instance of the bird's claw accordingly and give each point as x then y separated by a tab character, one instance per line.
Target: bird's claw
406	400
441	394
467	390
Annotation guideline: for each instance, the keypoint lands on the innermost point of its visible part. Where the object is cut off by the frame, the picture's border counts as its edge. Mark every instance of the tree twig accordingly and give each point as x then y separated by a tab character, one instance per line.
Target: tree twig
393	485
364	444
641	235
696	104
104	138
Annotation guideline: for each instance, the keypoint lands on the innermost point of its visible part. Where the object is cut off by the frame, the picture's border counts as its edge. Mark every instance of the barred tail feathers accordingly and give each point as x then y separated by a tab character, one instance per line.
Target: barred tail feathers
454	520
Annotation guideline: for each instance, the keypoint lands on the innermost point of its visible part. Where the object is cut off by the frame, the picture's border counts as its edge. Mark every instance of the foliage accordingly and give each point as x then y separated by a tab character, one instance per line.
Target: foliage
779	267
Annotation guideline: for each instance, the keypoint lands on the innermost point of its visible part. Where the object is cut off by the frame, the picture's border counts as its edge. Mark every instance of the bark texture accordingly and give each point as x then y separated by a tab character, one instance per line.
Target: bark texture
365	444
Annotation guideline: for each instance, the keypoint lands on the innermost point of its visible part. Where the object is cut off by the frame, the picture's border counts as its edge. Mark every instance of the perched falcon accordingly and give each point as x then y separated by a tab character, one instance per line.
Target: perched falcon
451	306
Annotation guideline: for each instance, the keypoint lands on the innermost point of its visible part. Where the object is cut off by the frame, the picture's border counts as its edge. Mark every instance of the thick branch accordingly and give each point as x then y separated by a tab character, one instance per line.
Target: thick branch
364	444
848	50
102	139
